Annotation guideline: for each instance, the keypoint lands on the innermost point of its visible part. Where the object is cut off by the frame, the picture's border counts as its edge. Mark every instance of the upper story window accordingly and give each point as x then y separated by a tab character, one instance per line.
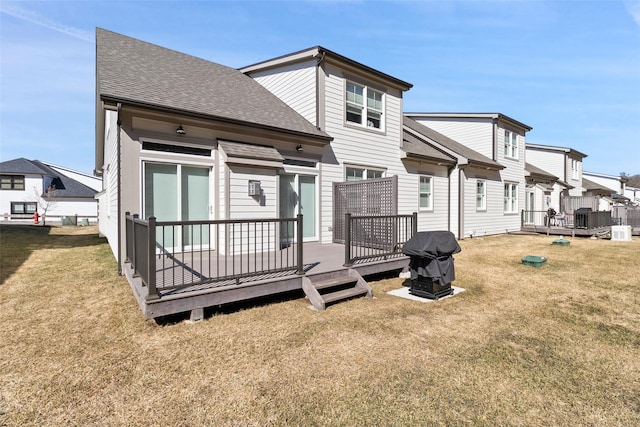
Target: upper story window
357	174
575	169
481	195
11	182
510	144
364	106
510	198
426	193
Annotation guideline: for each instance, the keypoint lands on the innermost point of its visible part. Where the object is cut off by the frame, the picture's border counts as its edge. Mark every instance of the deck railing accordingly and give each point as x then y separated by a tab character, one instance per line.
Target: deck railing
368	238
170	255
587	220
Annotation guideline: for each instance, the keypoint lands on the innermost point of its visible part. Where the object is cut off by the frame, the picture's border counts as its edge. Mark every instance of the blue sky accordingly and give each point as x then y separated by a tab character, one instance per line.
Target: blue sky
569	69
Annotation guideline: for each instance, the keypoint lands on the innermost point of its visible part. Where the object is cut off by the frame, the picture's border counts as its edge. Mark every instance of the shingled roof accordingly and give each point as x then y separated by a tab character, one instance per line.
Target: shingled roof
65	186
473	157
135	72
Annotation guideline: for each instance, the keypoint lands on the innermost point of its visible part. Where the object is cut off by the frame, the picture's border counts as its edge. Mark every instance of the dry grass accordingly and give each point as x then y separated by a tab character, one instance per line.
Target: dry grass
557	345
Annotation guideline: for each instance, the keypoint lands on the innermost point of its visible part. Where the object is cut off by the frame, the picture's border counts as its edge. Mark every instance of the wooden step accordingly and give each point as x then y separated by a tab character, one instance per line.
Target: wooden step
336	281
343	294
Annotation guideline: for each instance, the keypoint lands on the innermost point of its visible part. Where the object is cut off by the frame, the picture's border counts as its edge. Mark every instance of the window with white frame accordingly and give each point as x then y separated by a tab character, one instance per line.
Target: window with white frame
510	144
364	106
575	169
510	198
481	195
426	193
358	173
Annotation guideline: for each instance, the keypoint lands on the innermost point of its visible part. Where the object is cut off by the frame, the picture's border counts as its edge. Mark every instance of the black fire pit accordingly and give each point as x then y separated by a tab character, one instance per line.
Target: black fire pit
431	263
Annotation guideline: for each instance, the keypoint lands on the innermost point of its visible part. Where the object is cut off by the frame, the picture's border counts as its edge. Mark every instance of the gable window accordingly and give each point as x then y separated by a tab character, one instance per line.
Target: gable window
510	198
510	144
426	193
357	174
575	169
11	182
364	106
23	207
481	195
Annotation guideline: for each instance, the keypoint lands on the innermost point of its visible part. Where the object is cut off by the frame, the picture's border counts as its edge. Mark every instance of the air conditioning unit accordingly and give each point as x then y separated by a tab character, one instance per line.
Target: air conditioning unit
621	233
254	188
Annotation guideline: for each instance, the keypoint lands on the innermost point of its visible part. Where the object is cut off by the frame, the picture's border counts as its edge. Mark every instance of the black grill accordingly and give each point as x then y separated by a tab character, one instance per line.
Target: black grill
431	263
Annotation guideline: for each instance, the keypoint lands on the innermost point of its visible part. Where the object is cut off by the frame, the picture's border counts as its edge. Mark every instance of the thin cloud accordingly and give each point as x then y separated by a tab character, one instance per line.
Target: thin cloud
35	18
634	10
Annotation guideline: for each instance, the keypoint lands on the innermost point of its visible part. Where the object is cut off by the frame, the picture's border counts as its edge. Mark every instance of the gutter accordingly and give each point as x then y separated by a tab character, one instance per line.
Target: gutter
119	178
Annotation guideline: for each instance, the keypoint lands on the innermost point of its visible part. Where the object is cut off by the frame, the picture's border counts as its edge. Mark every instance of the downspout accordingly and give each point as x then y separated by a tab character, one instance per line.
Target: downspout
495	140
460	205
449	170
119	180
319	104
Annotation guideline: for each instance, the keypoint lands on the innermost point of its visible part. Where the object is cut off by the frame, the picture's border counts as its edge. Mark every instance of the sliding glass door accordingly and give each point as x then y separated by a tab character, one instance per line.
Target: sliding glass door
178	193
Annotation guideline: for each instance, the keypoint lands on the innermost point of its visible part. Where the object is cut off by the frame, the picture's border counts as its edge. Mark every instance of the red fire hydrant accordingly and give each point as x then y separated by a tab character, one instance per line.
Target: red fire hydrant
36	218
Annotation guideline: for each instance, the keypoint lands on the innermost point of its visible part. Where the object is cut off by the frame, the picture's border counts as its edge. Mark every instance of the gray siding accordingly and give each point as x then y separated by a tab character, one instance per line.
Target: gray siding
475	133
293	84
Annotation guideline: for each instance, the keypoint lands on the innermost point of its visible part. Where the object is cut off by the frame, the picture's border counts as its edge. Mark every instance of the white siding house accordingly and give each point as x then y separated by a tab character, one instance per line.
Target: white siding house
30	186
563	162
490	186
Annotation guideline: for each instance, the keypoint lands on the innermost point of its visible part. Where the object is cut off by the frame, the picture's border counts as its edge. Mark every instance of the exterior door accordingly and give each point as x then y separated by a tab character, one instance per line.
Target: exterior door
298	195
529	205
177	193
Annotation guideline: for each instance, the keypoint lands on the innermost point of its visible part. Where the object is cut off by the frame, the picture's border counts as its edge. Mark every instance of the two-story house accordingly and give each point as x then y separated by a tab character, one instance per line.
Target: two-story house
488	192
564	163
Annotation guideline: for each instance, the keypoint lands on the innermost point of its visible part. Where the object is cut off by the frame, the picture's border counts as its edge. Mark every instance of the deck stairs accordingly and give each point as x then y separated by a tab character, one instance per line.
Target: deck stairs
333	287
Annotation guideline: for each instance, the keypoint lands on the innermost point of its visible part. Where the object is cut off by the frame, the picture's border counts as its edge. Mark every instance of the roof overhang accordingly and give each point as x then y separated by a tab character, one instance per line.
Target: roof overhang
492	116
321	54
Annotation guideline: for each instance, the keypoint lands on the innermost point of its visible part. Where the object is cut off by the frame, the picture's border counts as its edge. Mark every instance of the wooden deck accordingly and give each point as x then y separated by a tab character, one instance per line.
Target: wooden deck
566	231
321	260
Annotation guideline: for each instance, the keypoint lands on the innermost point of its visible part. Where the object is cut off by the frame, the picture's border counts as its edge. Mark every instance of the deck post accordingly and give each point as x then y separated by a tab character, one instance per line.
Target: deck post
151	260
414	225
299	239
347	240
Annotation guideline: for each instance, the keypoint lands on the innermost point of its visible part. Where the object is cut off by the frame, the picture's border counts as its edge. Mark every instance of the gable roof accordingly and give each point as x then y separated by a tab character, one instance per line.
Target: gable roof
138	73
65	186
495	116
324	54
473	157
566	150
536	172
21	166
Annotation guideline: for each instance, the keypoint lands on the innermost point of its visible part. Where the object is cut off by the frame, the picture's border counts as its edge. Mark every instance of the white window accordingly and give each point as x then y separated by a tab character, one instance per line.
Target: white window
575	169
426	193
510	144
510	198
481	195
357	174
369	114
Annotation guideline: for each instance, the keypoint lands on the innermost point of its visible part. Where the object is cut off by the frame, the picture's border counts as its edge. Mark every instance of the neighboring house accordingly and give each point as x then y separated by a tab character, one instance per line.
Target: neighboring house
613	184
563	162
488	184
29	186
605	195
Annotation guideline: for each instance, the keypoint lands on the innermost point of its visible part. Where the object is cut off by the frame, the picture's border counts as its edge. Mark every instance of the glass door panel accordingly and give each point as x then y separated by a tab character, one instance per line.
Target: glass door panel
308	205
288	205
161	194
195	204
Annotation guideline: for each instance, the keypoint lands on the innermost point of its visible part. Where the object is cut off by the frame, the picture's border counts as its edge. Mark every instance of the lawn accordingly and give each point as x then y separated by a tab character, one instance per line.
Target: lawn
556	345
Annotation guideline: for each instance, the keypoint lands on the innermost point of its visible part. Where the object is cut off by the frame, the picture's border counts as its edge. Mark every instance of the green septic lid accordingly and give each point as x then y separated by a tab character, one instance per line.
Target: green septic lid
561	242
534	260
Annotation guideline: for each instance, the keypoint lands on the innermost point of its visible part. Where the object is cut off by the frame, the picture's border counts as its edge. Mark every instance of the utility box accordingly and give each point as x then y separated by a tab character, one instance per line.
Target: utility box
621	233
254	188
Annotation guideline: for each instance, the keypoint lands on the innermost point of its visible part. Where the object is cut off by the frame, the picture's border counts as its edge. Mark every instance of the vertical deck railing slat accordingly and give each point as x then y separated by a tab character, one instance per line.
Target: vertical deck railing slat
151	266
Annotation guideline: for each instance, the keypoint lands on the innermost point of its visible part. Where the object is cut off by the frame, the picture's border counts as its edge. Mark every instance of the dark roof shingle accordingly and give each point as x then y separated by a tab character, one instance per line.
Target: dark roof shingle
130	70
